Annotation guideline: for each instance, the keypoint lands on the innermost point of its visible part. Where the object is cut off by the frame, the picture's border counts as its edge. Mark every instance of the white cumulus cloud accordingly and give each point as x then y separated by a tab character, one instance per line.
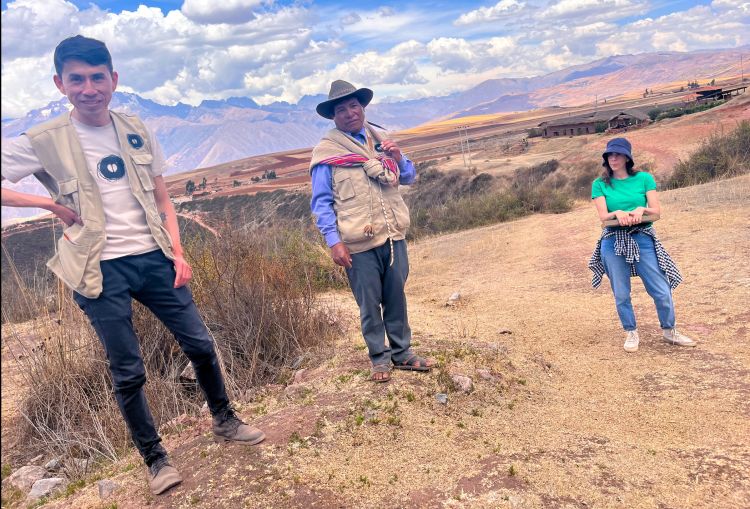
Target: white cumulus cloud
282	51
502	9
586	11
224	11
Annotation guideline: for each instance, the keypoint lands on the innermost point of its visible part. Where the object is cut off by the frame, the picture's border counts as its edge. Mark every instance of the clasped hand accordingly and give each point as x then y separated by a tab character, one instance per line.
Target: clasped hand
630	218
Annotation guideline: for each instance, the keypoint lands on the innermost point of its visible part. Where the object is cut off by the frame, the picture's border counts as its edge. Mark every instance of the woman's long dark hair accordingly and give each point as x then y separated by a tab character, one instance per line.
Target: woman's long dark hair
606	175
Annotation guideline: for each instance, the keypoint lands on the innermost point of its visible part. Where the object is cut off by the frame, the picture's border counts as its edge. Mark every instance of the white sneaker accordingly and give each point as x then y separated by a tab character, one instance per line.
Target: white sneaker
631	341
676	338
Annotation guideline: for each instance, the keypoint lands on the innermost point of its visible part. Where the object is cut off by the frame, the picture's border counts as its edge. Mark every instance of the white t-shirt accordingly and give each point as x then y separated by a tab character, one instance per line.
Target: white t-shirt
126	227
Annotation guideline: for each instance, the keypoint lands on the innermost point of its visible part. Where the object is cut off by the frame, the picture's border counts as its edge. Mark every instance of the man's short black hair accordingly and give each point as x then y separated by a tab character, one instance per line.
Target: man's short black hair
85	49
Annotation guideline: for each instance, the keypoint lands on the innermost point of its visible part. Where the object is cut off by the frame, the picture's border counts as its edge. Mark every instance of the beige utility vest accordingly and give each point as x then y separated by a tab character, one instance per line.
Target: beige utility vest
68	180
360	201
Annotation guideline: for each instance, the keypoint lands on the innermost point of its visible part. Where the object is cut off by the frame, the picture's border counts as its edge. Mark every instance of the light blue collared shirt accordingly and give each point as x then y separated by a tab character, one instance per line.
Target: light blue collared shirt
322	192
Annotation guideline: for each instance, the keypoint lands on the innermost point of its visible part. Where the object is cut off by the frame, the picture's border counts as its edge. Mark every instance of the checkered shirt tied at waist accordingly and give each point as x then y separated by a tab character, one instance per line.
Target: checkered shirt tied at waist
625	245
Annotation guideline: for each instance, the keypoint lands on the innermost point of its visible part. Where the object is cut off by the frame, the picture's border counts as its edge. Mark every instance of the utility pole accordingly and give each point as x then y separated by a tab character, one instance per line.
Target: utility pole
463	138
468	146
461	141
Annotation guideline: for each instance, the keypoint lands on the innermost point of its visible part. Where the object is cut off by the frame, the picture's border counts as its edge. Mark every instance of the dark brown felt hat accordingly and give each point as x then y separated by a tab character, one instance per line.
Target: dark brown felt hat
341	89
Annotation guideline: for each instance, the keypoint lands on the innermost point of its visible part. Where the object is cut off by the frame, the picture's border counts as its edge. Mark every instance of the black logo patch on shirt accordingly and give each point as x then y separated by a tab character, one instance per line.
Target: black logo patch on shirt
135	140
111	168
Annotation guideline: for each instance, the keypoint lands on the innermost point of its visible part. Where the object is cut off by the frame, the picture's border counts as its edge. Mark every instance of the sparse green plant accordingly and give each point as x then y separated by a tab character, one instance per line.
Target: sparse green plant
295	438
393	420
512	471
476	412
74	486
444	380
11	496
38	503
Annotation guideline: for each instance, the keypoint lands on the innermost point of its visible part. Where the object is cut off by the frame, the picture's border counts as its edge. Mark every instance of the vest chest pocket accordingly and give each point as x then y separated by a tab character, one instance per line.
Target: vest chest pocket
344	187
68	195
142	164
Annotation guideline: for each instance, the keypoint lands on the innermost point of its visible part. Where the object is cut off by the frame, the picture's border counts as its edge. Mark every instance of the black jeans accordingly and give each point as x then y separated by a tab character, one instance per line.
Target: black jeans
149	278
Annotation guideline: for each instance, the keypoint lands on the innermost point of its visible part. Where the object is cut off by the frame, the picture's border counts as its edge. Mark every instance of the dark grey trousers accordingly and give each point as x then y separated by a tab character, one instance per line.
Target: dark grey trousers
379	291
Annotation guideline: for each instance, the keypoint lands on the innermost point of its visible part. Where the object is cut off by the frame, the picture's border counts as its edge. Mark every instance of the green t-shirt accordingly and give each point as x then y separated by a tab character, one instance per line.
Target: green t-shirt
626	194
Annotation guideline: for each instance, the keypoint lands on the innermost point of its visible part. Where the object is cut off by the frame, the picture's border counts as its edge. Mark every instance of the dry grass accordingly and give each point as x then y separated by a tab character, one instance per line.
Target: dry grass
255	298
451	201
721	155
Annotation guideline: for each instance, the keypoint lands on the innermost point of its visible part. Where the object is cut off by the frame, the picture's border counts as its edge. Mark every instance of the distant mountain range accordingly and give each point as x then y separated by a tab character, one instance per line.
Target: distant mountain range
219	131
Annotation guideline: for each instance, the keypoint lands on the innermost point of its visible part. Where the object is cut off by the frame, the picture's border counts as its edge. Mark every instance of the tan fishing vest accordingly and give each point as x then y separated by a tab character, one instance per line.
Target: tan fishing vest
68	180
360	201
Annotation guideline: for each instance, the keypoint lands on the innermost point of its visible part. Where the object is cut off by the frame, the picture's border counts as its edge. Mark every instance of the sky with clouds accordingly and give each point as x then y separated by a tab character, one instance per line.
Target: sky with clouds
270	50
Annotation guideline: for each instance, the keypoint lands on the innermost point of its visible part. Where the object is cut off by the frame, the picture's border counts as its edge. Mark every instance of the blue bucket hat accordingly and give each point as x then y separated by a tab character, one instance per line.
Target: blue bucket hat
618	146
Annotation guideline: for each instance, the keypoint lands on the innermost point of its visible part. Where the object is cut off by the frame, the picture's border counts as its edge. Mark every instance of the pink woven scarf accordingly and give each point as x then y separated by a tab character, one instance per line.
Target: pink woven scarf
350	160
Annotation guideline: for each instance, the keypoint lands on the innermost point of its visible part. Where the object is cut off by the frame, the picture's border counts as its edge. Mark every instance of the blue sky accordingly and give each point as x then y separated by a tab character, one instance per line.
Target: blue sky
190	50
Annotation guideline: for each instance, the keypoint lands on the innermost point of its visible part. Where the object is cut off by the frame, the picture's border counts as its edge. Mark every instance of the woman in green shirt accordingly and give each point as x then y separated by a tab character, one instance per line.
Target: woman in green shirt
630	249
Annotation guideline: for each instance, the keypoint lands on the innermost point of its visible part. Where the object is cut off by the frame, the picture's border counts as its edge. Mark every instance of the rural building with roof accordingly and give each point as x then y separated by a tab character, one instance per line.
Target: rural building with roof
588	124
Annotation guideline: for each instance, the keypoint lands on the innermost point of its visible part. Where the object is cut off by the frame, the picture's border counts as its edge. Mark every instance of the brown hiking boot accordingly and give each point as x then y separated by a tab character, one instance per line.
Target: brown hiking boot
228	426
162	476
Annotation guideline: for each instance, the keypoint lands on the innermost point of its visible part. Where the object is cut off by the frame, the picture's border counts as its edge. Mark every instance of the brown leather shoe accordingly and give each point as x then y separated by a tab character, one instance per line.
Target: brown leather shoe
228	426
162	476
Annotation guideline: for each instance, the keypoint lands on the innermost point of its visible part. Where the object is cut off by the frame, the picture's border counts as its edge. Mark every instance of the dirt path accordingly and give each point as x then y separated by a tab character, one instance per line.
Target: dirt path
560	415
198	218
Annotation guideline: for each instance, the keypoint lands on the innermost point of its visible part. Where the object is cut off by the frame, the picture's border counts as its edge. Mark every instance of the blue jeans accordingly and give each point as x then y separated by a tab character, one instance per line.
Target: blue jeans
655	281
378	289
149	278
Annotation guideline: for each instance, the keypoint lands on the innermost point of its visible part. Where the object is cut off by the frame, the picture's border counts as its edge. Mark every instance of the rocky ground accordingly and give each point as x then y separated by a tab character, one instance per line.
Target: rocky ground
557	415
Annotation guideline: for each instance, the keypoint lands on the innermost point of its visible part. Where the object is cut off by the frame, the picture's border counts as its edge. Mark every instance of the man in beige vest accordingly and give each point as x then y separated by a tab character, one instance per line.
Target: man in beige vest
103	170
359	211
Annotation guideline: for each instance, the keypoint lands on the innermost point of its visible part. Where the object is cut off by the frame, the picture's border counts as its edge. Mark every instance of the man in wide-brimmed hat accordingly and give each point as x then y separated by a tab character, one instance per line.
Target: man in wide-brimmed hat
355	177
